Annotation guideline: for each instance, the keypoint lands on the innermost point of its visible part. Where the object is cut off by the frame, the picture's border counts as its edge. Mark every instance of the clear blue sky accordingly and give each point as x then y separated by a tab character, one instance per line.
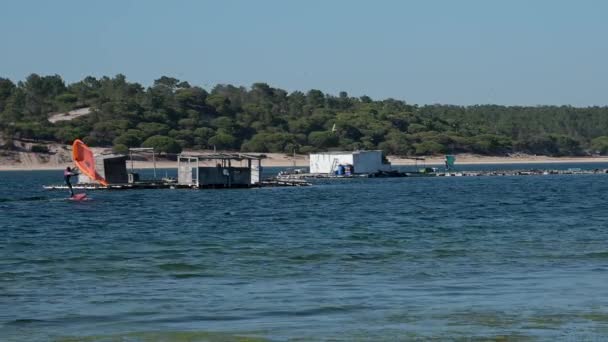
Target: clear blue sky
515	52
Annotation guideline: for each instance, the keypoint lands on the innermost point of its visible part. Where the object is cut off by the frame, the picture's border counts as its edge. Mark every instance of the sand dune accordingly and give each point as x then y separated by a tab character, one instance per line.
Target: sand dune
71	115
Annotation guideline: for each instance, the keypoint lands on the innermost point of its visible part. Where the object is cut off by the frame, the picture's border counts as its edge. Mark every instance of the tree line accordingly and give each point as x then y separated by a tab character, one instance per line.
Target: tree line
172	115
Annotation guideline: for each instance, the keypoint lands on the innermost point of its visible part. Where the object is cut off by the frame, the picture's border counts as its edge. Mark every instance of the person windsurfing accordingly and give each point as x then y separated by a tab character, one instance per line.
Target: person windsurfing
67	174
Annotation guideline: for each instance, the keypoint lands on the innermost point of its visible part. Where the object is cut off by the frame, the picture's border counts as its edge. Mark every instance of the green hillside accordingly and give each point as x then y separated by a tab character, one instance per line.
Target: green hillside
172	115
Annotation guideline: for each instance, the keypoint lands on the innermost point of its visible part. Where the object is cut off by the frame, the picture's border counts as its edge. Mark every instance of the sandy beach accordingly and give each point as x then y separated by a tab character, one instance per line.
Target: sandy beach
470	159
60	157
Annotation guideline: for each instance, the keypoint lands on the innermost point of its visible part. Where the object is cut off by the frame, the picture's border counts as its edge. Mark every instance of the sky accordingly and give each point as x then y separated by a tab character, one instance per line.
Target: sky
515	52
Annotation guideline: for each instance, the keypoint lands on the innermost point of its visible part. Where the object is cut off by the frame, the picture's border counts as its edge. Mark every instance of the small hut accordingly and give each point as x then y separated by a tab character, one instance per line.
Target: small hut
359	161
220	170
111	167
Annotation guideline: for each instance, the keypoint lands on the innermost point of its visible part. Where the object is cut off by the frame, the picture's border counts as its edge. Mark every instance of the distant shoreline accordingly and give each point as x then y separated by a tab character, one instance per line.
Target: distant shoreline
478	160
286	160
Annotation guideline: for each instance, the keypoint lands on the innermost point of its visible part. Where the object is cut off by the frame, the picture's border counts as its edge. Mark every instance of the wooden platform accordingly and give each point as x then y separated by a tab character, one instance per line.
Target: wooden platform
161	185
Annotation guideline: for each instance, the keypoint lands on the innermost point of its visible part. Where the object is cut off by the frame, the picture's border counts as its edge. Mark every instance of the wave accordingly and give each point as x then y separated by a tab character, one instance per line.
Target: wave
596	255
311	257
187	275
24	199
179	267
26	321
324	310
448	253
158	336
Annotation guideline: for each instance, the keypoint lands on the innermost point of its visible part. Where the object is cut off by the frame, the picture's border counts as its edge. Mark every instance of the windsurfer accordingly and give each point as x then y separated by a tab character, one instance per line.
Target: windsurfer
67	174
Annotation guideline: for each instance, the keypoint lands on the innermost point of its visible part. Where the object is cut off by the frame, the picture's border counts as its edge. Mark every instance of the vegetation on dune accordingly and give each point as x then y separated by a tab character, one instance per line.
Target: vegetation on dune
172	115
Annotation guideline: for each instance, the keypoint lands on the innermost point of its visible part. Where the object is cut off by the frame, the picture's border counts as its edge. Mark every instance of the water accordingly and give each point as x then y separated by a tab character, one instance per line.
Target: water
353	259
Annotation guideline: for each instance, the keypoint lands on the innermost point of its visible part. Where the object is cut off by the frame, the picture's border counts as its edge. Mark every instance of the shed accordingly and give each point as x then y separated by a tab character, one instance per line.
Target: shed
361	161
112	167
219	170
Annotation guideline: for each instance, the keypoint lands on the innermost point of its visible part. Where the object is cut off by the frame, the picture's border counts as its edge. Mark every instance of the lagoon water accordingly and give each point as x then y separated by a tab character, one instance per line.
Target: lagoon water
378	259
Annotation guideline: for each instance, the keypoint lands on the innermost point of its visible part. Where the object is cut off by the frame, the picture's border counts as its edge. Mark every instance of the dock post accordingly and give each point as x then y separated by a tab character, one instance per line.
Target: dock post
154	162
198	184
250	175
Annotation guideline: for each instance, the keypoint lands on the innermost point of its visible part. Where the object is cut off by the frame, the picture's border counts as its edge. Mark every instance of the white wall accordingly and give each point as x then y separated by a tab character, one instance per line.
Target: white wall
322	162
363	161
256	170
84	179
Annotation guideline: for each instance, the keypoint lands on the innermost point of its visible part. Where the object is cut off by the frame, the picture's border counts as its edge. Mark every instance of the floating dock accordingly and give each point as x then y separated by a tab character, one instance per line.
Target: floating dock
396	173
194	171
172	185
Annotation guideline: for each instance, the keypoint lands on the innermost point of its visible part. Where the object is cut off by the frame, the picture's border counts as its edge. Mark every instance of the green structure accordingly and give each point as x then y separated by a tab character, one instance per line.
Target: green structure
449	162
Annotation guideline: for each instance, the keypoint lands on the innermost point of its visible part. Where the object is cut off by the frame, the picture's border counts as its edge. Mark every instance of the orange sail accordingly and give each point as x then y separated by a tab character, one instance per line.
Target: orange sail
85	161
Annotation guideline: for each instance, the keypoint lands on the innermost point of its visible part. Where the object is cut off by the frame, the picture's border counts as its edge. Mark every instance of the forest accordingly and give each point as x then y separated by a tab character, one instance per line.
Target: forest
172	115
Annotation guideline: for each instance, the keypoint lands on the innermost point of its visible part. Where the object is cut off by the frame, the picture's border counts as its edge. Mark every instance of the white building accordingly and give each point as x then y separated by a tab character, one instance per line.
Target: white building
362	161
